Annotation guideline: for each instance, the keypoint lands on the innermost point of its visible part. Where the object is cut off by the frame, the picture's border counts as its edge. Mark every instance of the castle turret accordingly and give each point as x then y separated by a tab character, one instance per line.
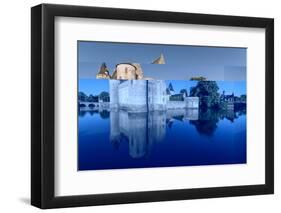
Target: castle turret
139	72
171	89
103	73
159	60
157	95
125	71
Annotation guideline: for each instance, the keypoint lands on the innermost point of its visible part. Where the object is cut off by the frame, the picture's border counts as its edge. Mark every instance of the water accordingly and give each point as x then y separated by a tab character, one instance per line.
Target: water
118	139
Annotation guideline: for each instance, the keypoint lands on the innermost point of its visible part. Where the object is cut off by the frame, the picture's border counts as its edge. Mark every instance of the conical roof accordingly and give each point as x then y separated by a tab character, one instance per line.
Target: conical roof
103	69
159	60
170	87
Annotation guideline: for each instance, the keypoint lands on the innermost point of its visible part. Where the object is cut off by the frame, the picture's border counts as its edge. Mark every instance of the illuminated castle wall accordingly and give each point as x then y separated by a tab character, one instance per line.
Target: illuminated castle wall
145	95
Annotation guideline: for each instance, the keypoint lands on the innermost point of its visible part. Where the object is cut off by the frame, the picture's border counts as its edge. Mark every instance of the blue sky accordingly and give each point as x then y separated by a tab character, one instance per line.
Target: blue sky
95	87
182	62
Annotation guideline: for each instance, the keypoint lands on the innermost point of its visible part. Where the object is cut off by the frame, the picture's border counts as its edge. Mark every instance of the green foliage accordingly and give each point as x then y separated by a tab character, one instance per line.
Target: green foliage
104	96
207	91
82	96
104	114
243	98
92	98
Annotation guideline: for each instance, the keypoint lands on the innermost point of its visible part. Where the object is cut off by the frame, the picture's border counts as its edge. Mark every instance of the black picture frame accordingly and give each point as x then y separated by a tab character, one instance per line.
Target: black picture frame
43	110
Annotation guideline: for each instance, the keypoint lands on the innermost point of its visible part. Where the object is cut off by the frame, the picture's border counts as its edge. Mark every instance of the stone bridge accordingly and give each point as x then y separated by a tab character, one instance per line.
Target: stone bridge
93	105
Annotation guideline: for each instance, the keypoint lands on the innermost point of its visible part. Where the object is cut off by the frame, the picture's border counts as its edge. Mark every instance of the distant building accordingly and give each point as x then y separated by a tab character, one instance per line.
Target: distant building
176	97
227	98
170	90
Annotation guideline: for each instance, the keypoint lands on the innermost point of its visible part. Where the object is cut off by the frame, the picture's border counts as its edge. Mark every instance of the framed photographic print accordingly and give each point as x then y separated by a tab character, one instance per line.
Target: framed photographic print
140	106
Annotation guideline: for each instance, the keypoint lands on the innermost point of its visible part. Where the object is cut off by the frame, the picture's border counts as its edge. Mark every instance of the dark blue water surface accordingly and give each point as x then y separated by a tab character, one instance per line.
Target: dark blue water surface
118	139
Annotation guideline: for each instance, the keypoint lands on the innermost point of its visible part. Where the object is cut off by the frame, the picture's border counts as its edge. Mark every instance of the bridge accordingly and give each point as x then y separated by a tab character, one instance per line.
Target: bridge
92	105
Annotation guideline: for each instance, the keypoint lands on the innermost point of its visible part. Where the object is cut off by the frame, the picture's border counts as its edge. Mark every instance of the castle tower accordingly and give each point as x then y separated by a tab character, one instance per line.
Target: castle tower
114	95
133	95
171	89
103	73
139	72
159	60
125	71
157	95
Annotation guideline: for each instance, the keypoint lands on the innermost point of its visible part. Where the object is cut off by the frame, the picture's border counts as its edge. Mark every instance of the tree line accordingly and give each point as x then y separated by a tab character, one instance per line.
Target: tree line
103	96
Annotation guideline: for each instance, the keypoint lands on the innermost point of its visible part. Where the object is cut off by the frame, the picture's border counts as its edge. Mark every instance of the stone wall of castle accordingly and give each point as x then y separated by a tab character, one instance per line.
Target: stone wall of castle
132	95
113	92
142	96
176	104
157	98
188	103
192	102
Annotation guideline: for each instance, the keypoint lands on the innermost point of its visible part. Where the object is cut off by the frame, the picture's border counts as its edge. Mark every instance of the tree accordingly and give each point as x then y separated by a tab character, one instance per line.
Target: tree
207	122
92	98
104	114
243	98
82	96
207	91
104	96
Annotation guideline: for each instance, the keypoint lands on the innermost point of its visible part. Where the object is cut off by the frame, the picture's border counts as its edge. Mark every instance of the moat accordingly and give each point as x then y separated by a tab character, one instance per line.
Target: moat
118	139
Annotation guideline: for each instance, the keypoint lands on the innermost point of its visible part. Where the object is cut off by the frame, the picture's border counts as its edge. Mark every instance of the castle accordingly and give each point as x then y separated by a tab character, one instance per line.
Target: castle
130	90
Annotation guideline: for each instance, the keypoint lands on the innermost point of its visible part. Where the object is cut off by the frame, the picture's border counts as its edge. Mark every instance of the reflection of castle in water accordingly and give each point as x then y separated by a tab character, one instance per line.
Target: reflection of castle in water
142	130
